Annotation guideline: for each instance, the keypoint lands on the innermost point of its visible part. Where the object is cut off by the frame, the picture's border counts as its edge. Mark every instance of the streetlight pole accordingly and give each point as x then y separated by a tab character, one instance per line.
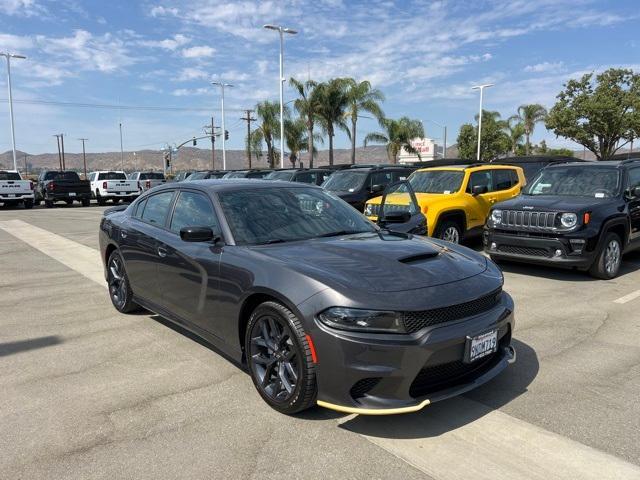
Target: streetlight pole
224	132
481	88
281	30
9	56
444	138
84	157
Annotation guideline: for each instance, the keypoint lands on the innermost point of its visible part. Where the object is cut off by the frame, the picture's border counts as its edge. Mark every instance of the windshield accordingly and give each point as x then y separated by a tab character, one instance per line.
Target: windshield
235	175
271	215
151	176
73	176
198	175
286	176
436	181
345	181
576	182
112	176
10	176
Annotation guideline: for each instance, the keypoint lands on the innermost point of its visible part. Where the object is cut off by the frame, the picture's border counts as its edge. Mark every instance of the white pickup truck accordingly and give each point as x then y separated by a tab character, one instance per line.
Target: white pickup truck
112	185
15	190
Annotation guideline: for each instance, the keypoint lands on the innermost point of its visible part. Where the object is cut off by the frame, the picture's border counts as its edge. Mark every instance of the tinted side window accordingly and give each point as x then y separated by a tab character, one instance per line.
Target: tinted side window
193	210
502	179
634	178
140	208
480	178
157	208
400	176
382	178
306	177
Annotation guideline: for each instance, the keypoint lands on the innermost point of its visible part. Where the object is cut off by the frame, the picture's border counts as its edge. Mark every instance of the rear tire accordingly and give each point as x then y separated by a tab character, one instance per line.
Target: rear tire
115	200
279	359
607	263
69	202
101	201
449	231
48	203
86	202
118	283
28	204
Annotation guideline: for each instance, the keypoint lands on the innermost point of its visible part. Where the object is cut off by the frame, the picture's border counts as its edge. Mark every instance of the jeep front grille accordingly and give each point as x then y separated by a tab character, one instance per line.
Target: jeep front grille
526	219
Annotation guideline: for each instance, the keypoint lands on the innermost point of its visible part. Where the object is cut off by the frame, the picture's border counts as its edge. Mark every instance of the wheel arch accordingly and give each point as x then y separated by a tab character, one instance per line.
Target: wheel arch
457	215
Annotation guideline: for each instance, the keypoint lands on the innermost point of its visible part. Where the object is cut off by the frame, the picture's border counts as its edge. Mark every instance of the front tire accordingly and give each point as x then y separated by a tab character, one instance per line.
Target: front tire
449	231
118	282
279	359
607	263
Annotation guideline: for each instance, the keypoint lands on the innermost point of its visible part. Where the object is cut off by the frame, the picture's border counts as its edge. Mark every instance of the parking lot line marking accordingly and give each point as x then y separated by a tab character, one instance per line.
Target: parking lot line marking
461	439
80	258
628	298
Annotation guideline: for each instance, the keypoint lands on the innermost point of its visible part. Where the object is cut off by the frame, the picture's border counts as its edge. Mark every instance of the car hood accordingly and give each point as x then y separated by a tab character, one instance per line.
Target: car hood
378	262
554	203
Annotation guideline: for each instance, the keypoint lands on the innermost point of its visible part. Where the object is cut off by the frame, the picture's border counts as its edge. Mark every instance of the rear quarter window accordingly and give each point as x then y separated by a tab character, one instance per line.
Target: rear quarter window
157	208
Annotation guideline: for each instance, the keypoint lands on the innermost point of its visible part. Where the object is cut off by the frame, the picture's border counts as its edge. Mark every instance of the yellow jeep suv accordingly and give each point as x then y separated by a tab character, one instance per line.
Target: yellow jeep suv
455	199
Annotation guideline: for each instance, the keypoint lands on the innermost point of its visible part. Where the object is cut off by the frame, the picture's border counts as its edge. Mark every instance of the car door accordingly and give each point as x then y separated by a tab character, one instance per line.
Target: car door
140	246
188	273
481	203
505	184
634	206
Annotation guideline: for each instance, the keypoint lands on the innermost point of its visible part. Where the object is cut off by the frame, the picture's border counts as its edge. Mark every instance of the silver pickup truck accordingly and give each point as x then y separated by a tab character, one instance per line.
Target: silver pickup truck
147	180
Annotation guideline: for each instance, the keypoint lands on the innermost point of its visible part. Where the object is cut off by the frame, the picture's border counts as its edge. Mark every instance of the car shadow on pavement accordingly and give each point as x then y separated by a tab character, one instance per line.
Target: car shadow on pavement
9	348
454	413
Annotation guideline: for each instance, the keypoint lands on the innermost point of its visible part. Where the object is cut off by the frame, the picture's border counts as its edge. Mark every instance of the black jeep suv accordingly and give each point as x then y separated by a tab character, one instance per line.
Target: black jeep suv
579	215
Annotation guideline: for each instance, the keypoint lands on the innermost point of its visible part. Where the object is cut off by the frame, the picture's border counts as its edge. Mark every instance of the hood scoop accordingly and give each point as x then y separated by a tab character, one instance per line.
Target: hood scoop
419	257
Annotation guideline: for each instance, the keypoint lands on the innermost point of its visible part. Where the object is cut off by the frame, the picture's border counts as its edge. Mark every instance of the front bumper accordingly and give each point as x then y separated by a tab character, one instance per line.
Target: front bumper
379	374
557	251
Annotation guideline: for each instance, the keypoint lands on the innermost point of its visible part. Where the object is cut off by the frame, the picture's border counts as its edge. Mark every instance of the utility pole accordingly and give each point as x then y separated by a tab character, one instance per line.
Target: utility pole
64	164
213	146
9	56
481	88
222	85
59	153
26	170
248	119
84	157
121	150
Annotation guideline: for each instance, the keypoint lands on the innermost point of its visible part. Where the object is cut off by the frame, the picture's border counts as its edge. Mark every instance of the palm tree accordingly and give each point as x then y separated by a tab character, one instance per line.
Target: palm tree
361	98
254	145
514	129
307	106
397	135
295	134
529	115
332	96
269	117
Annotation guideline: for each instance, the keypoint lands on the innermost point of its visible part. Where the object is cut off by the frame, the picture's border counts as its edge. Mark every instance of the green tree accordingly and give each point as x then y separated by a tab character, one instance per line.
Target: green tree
295	134
529	115
269	117
307	105
494	142
254	145
602	115
515	130
361	98
333	102
397	135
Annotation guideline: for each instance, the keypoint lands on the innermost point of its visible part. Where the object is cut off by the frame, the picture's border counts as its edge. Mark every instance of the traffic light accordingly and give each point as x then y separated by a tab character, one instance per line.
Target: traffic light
226	134
167	160
194	141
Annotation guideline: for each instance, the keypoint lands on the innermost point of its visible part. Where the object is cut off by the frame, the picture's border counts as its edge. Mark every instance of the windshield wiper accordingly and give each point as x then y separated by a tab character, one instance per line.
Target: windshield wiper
272	240
340	232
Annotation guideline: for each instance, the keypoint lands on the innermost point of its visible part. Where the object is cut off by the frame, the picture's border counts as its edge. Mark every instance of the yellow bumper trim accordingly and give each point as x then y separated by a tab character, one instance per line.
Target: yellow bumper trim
374	411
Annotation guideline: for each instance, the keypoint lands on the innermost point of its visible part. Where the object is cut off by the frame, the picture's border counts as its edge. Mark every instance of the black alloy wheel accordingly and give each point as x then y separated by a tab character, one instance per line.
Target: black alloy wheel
279	359
118	283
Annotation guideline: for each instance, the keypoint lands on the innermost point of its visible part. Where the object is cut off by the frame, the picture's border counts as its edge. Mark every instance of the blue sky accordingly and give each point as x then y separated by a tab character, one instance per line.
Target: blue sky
424	55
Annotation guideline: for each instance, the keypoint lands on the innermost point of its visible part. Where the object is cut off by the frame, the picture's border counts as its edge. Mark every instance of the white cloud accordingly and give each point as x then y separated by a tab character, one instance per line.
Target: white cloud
171	44
545	67
199	51
26	8
15	43
160	11
188	92
191	73
149	87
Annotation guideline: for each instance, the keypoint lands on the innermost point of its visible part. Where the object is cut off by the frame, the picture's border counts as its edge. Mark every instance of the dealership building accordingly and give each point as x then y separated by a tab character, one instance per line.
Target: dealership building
427	147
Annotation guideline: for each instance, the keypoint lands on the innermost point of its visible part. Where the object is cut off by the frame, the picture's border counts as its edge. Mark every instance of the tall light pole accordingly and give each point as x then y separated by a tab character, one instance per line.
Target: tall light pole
84	156
481	88
224	132
444	137
281	30
9	56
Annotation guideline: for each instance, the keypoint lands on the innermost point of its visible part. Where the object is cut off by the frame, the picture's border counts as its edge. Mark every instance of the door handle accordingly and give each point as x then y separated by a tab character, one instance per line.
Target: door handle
162	252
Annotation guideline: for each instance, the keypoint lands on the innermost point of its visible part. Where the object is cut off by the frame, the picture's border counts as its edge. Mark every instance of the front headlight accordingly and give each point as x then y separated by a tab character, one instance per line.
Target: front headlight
359	320
568	220
496	216
368	209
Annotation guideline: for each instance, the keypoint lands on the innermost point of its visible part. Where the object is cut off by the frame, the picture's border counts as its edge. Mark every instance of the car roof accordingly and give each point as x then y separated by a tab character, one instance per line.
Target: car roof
601	163
471	166
536	159
227	184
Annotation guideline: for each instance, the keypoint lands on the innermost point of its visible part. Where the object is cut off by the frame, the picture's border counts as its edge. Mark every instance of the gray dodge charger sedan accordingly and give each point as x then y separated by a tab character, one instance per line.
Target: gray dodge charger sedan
322	306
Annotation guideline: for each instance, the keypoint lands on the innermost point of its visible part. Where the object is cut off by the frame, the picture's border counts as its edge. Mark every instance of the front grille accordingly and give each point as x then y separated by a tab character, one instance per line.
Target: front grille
527	219
361	387
414	321
446	375
375	209
529	251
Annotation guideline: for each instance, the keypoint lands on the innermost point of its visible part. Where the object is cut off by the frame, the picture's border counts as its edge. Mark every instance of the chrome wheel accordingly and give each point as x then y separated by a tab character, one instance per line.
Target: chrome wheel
612	257
451	234
117	282
274	358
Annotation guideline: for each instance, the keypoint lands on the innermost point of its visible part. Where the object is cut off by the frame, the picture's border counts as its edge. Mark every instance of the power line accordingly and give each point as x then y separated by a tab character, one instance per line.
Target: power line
117	107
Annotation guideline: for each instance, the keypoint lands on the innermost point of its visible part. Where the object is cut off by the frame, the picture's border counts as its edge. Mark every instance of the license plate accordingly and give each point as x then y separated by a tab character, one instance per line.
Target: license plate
481	346
72	194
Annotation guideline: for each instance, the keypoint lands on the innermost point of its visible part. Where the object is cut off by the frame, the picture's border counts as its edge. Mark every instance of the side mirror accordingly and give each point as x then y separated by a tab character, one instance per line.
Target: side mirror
196	234
635	192
377	188
395	217
479	190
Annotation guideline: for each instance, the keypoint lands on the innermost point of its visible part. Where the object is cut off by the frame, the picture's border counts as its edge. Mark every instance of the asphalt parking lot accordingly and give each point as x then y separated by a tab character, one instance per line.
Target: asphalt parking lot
90	393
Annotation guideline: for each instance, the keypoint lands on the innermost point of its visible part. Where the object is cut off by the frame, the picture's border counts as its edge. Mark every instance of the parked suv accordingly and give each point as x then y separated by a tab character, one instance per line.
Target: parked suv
206	174
455	199
315	176
580	215
148	180
532	164
356	185
255	173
